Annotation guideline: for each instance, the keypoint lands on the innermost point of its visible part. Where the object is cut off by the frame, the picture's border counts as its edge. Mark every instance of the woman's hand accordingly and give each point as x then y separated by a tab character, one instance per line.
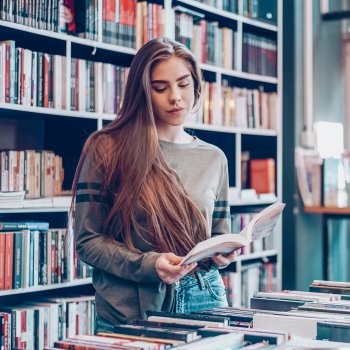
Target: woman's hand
224	260
168	269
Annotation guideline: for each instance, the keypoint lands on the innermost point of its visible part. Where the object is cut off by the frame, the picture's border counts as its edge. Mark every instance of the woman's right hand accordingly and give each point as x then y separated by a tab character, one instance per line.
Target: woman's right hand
168	269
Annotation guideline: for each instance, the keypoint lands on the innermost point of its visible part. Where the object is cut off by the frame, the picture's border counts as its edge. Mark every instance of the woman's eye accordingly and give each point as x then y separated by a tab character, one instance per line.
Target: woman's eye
159	89
183	85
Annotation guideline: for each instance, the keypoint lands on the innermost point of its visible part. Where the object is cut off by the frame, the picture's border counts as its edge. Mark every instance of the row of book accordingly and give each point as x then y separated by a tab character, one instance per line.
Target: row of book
235	328
225	5
248	108
256	9
238	223
323	181
209	43
127	23
132	23
34	13
261	10
241	286
38	324
259	55
237	107
39	79
31	254
37	173
96	86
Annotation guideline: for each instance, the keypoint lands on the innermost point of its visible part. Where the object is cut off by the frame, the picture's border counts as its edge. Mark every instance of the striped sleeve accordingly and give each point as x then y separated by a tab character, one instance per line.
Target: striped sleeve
221	216
92	208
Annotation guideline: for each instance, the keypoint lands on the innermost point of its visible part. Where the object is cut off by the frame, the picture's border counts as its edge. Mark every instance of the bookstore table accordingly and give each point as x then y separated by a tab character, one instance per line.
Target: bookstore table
328	213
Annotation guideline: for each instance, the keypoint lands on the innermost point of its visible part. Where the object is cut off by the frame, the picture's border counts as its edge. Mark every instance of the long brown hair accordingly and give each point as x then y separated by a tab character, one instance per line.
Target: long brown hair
136	173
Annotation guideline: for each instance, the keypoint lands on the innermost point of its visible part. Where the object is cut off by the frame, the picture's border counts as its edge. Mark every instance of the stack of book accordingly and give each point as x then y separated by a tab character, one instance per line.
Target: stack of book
308	315
331	287
163	330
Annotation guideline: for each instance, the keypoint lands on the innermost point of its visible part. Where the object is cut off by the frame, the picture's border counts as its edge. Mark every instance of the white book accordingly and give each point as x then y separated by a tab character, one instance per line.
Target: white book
28	77
296	295
299	326
337	284
45	202
259	227
186	321
61	201
213	343
57	76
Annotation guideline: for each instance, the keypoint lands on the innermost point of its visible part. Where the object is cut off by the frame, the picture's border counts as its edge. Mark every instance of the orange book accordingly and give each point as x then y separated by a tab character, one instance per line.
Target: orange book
262	175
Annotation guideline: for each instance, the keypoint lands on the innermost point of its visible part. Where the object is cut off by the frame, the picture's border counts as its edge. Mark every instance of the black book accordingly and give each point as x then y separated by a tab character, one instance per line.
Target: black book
249	336
236	317
159	324
194	316
334	290
152	332
275	304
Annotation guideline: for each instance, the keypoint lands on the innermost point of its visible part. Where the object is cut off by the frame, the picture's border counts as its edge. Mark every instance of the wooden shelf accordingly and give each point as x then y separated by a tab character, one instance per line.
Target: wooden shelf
327	210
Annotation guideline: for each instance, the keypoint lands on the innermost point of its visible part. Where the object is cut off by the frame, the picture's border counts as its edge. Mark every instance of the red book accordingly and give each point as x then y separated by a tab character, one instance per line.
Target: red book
46	80
2	260
262	175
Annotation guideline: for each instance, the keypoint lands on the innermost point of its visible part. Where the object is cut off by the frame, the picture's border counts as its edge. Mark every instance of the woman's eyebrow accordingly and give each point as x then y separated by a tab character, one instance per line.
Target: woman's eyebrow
166	81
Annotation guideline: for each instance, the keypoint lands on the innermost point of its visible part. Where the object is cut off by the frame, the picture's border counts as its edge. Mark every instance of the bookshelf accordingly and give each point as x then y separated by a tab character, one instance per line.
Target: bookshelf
64	130
327	213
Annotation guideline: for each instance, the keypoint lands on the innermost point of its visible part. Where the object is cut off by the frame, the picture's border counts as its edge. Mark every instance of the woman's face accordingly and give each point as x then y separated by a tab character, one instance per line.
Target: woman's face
172	91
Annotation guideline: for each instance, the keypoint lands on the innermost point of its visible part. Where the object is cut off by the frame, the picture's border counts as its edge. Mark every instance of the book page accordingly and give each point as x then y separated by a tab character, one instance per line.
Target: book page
264	222
223	244
260	226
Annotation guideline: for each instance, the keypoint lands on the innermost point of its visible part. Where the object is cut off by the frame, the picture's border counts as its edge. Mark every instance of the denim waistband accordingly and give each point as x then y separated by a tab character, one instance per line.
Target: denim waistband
199	276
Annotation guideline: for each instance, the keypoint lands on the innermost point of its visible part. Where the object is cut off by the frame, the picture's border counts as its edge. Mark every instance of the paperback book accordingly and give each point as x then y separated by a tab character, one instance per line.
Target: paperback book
262	225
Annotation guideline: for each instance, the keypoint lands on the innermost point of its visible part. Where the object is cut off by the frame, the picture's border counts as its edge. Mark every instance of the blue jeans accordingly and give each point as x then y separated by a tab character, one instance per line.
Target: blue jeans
201	291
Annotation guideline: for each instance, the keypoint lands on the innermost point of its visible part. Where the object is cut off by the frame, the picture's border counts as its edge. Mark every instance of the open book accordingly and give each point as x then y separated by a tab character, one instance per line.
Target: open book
260	226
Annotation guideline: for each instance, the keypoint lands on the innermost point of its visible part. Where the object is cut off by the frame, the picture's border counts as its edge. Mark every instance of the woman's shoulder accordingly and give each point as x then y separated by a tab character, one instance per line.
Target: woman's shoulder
211	149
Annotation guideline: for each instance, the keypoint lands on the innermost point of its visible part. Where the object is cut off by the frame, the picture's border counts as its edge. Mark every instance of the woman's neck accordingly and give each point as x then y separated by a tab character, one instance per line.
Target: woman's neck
174	134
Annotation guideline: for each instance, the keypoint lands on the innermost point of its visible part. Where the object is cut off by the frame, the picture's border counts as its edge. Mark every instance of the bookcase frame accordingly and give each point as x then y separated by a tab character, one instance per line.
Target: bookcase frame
98	45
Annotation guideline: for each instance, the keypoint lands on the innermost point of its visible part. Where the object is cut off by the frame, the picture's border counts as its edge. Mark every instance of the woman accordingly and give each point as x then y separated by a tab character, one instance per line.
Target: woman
146	192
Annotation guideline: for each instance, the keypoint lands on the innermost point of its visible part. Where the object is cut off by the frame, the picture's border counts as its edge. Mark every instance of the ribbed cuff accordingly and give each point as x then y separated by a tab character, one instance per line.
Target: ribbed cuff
149	267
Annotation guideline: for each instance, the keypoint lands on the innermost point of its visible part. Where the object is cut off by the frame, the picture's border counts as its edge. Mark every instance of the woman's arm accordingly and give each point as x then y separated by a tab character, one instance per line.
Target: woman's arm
107	254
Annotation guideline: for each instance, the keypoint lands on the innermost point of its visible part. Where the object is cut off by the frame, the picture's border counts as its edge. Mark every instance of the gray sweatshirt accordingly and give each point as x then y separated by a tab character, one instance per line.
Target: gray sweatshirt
126	282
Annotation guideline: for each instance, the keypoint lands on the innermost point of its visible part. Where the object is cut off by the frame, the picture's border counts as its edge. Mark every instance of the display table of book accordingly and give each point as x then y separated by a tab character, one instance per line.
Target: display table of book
278	320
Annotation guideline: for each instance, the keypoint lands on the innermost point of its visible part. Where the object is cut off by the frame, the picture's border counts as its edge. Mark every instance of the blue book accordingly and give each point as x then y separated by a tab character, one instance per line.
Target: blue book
24	225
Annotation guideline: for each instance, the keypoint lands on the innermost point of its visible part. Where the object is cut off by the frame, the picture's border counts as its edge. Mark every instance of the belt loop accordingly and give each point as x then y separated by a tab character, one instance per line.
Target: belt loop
200	280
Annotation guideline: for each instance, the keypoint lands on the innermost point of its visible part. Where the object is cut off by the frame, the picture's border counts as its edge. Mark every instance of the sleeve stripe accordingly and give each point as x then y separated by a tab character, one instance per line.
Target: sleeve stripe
87	186
221	204
83	198
221	215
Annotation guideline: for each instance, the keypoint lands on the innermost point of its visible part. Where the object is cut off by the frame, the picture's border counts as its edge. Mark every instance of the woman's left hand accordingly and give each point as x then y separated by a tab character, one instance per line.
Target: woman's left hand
223	260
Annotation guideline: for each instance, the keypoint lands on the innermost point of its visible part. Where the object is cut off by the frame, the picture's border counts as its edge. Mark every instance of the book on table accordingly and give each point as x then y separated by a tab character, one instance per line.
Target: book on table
262	225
